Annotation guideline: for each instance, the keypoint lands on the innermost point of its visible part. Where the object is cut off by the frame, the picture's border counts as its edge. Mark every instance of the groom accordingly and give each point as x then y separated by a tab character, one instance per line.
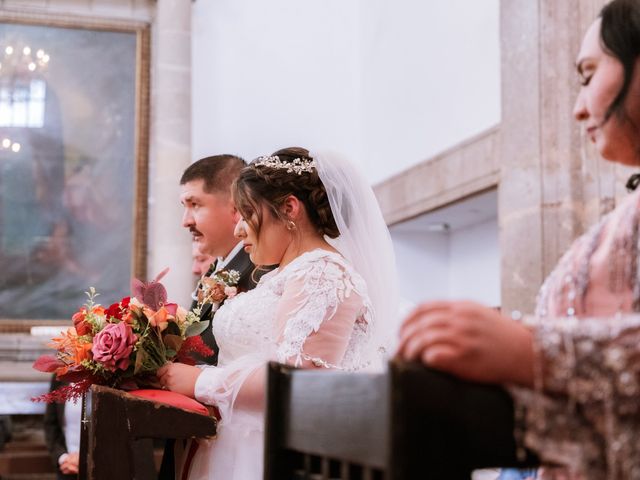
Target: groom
211	217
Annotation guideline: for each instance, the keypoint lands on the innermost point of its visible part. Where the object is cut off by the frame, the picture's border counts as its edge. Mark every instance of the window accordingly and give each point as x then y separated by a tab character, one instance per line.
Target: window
22	104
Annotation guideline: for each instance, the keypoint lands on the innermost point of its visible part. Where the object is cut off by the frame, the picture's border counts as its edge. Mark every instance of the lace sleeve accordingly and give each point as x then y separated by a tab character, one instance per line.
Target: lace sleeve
585	409
239	384
315	319
316	316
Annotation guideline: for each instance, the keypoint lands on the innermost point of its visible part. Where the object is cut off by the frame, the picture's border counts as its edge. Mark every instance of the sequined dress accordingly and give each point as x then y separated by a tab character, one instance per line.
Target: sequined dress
587	342
313	313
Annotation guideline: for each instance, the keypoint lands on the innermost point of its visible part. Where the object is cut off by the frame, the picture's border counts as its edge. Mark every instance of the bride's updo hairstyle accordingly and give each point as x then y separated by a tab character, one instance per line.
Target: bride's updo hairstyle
270	180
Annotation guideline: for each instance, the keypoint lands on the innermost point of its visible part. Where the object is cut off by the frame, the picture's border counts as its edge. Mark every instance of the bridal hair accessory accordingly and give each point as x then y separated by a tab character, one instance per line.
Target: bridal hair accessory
298	165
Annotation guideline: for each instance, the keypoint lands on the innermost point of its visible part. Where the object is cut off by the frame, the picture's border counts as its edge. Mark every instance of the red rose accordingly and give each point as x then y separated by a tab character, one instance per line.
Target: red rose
117	310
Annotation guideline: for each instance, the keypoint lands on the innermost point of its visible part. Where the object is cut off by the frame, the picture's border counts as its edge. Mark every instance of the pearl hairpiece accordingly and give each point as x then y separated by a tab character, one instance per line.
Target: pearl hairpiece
298	165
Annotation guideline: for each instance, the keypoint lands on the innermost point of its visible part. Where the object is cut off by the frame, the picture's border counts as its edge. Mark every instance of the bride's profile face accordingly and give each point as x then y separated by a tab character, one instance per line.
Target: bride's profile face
602	76
268	246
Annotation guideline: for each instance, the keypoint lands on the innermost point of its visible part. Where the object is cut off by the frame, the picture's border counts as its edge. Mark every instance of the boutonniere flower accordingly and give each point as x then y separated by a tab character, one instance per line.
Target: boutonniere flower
218	287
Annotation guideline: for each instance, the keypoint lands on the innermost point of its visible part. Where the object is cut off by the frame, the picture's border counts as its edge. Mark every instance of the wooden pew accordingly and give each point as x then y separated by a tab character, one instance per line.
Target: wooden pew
322	424
117	439
408	423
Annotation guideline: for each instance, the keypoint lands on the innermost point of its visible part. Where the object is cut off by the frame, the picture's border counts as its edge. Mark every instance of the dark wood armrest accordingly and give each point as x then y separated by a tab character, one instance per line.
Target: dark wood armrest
117	441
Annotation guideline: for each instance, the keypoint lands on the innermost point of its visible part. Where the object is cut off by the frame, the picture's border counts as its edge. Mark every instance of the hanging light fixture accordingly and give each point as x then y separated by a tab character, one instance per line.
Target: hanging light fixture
19	58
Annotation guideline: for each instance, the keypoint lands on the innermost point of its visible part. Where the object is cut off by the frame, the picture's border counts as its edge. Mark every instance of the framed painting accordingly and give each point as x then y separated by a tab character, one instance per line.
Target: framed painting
74	102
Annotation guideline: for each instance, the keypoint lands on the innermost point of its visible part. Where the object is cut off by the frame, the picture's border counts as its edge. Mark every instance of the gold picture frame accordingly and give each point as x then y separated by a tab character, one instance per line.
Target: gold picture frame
130	40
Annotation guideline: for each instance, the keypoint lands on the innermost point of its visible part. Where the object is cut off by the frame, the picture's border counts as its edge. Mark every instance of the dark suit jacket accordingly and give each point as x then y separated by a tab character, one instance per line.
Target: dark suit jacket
249	277
53	431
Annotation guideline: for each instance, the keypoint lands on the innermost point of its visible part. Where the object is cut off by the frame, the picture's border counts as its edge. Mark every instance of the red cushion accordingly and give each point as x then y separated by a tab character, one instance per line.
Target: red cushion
171	398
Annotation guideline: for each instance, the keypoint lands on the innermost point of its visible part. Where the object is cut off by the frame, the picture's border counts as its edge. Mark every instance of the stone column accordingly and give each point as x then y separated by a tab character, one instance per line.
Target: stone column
552	185
169	243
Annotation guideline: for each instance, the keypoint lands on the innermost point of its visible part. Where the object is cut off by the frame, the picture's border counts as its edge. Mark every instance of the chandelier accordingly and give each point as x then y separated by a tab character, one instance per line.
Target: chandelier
8	144
18	59
22	88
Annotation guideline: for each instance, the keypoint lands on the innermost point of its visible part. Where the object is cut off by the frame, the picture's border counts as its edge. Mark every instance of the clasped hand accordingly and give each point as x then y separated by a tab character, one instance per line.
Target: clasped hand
470	341
179	377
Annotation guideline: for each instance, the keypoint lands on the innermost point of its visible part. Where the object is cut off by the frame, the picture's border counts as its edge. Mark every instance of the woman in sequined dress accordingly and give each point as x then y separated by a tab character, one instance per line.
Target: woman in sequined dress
575	364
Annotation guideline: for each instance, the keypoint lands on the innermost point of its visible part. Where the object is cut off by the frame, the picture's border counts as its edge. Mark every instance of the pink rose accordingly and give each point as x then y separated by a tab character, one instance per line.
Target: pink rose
113	345
230	292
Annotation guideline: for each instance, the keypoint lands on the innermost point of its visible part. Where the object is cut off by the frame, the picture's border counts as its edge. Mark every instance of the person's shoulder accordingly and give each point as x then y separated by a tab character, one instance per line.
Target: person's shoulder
318	258
326	265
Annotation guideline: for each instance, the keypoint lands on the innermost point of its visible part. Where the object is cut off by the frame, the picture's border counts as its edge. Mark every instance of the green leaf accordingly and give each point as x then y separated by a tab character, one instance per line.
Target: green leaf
197	328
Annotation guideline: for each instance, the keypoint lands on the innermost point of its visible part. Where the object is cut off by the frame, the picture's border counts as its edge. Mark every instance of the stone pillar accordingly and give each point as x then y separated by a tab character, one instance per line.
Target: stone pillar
169	243
552	185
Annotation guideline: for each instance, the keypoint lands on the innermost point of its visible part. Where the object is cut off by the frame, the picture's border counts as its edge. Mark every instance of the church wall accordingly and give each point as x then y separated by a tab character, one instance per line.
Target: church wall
451	253
430	78
474	263
272	74
423	263
349	75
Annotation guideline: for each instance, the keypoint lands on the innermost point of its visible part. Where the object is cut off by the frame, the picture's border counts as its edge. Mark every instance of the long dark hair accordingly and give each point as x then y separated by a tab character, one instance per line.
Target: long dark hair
620	37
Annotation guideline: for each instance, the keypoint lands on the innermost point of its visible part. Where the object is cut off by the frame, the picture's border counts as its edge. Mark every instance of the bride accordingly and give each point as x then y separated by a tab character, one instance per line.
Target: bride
323	307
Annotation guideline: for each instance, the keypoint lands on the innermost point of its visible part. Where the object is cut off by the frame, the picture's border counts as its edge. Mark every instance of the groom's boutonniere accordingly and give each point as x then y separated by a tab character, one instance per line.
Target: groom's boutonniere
218	287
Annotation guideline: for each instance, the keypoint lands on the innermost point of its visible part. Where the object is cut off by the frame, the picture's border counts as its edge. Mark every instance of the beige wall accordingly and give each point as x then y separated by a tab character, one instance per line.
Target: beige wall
551	183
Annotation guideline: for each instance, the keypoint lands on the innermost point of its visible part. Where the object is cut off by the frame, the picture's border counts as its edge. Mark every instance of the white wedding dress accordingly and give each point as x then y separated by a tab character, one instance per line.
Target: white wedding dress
313	313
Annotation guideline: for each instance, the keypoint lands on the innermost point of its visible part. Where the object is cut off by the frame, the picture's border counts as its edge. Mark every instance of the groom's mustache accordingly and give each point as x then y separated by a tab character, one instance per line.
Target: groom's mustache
195	232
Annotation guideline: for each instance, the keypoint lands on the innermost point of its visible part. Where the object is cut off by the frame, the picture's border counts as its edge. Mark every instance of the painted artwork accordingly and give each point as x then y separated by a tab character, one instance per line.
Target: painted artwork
69	167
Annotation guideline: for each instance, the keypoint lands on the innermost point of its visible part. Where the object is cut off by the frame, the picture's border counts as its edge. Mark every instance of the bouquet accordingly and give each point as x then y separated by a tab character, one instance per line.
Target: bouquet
122	346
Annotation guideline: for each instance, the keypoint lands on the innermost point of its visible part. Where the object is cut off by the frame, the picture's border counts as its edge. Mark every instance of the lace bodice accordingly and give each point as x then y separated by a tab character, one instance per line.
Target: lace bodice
585	410
314	312
322	280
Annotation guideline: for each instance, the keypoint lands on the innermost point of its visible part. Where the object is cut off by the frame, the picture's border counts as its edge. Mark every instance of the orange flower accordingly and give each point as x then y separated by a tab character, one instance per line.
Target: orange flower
128	318
72	349
66	339
82	351
157	319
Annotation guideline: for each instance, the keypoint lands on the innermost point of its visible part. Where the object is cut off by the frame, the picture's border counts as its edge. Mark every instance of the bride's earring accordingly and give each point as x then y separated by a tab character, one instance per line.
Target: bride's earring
291	226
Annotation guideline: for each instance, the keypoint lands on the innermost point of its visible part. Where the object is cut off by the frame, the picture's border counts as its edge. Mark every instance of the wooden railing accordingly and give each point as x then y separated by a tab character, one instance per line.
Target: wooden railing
409	423
117	440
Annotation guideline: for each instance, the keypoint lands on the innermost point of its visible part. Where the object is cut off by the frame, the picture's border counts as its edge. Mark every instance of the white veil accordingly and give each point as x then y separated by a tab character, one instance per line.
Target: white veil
366	243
